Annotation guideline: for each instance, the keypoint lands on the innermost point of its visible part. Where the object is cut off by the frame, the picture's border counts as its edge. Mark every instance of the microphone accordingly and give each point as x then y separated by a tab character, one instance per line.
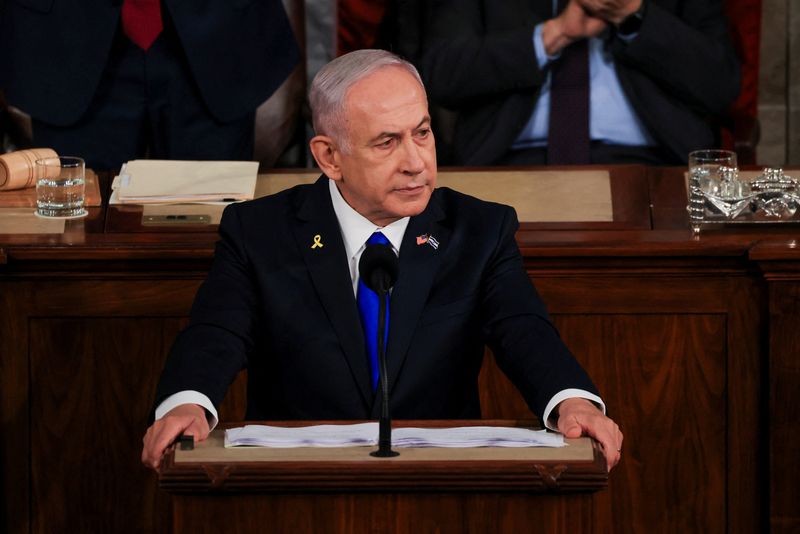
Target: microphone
378	269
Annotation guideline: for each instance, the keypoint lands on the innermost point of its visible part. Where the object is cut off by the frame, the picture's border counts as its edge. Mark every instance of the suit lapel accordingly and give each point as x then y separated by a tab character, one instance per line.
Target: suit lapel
541	9
417	268
327	265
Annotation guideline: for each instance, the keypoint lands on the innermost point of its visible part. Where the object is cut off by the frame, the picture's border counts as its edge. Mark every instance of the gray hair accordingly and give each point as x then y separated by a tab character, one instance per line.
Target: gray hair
329	88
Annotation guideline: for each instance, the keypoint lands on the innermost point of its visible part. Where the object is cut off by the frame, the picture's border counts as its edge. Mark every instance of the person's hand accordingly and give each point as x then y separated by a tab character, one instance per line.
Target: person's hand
189	419
579	417
613	11
572	24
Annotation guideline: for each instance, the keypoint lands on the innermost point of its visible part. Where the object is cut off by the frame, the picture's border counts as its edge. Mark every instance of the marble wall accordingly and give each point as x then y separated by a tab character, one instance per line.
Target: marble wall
793	74
779	83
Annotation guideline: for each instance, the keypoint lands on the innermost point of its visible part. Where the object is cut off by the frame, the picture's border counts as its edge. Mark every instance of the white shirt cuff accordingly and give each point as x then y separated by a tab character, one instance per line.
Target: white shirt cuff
565	394
538	46
188	397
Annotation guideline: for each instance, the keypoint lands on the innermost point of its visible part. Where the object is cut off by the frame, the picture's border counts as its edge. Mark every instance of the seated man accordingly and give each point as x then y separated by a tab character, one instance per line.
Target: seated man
580	81
280	298
124	79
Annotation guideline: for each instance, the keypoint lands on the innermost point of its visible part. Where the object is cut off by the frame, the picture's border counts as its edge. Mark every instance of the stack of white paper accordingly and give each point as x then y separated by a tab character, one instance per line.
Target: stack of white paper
149	181
307	436
475	436
366	434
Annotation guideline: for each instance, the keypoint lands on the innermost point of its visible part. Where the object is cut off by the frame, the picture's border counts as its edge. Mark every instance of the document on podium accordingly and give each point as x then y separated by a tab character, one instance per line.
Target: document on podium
172	181
366	434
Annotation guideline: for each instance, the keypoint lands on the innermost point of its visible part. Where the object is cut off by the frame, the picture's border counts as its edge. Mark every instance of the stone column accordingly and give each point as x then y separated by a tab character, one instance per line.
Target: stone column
779	83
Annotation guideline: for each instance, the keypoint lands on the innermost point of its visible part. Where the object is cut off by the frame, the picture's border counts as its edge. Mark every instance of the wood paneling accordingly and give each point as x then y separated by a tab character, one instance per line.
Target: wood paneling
80	360
104	374
691	340
15	510
676	359
663	380
396	513
784	377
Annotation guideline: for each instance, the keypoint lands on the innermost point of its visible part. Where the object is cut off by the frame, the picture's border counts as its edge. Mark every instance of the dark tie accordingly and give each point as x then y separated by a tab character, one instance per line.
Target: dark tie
141	21
368	308
568	137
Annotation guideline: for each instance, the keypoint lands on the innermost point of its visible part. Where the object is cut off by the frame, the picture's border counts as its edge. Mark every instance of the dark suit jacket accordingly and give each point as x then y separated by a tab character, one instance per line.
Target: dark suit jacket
679	73
287	312
53	52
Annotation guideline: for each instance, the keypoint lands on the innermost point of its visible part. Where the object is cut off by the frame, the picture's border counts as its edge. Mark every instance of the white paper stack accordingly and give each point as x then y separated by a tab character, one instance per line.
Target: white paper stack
307	436
366	434
151	181
475	436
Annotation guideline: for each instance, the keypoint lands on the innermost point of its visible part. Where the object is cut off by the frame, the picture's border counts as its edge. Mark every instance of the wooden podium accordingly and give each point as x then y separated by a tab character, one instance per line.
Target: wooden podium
347	490
692	341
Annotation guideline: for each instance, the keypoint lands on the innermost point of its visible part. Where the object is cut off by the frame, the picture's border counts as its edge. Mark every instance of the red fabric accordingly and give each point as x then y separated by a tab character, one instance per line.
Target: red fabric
141	21
358	24
744	17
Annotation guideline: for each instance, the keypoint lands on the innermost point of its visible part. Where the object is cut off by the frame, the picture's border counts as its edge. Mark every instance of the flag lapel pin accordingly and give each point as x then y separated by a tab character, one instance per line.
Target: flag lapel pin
429	239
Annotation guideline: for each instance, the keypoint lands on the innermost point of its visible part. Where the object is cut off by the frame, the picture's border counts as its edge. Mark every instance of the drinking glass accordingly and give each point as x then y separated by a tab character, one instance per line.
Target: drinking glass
713	182
60	187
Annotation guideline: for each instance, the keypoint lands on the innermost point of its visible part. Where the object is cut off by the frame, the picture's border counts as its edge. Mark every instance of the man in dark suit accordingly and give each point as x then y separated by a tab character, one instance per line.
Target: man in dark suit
112	80
281	296
660	75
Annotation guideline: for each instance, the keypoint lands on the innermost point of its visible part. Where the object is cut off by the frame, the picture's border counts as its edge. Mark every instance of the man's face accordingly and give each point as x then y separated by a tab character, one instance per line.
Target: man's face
389	172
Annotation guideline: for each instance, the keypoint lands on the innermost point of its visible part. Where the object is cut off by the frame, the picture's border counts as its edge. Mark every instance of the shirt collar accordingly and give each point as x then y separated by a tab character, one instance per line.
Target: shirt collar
356	228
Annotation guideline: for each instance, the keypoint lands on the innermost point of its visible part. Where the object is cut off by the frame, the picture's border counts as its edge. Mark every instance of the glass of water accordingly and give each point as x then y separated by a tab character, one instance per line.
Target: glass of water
713	183
60	187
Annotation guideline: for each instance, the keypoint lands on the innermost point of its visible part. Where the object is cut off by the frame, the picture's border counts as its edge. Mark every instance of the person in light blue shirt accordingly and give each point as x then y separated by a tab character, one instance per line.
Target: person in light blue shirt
661	75
612	119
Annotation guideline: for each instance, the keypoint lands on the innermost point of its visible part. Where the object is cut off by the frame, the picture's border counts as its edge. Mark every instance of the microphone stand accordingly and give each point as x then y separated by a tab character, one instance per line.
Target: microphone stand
385	422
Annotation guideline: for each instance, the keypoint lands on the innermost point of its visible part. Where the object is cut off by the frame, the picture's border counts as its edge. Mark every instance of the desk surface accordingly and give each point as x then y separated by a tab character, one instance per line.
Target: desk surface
580	466
648	218
650	310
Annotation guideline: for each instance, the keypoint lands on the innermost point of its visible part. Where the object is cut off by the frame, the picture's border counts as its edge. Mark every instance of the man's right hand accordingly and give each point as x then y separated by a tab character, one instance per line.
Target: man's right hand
572	24
189	419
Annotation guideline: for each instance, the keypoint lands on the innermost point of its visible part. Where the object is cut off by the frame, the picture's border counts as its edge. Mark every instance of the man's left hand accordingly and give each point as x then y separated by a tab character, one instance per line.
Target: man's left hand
579	417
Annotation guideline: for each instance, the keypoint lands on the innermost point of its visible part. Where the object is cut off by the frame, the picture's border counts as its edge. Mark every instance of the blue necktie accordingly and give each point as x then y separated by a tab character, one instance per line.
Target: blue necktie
368	308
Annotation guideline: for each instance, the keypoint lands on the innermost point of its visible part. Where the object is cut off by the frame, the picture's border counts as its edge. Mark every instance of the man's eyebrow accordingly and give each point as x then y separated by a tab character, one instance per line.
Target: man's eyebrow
425	121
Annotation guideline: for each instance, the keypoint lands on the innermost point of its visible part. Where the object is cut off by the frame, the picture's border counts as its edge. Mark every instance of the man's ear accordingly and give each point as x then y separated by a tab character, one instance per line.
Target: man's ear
326	152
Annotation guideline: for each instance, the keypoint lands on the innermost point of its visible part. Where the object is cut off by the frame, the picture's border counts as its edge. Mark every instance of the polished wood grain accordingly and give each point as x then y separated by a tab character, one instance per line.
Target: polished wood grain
344	493
76	408
784	377
77	392
779	260
15	445
781	264
579	467
784	373
602	302
691	340
412	513
673	419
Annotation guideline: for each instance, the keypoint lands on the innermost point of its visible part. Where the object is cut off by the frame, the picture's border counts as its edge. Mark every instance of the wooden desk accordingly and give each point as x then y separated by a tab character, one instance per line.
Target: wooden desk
692	341
422	490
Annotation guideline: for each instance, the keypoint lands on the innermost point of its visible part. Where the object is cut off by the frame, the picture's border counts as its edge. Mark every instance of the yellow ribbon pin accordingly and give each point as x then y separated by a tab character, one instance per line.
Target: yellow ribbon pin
317	241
